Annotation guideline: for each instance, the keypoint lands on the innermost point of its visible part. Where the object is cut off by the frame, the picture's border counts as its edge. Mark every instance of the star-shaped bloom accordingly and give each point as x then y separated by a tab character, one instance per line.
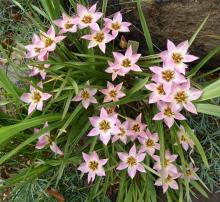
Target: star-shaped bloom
67	23
167	181
39	69
123	134
112	93
131	161
136	127
116	25
183	95
35	98
168	112
112	70
98	38
178	55
88	17
104	126
190	172
125	63
149	142
184	139
49	40
45	140
167	75
86	96
92	165
158	93
169	159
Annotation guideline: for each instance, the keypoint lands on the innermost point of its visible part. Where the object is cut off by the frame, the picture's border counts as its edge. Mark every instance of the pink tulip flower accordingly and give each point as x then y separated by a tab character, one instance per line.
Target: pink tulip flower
116	25
184	139
136	127
45	140
86	96
178	55
183	95
149	142
167	76
88	17
112	93
132	161
92	165
168	112
35	98
104	126
67	24
98	38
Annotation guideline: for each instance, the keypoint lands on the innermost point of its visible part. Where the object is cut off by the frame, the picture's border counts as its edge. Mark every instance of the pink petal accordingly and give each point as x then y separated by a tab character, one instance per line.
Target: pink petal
170	46
86	157
122	156
140	157
42	142
56	149
169	121
46	96
81	9
189	58
83	168
32	107
40	106
183	46
93	132
174	185
51	32
117	17
189	106
141	168
131	172
105	138
26	97
122	166
100	172
102	47
158	116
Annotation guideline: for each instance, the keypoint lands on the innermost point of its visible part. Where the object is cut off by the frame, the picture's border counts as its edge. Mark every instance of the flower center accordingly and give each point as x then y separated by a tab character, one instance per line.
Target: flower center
87	19
93	165
168	179
37	50
85	95
167	75
136	128
131	161
36	97
99	37
168	112
177	58
166	162
181	97
68	25
160	90
110	110
126	63
149	143
41	67
188	172
104	125
48	42
183	138
122	133
116	26
113	93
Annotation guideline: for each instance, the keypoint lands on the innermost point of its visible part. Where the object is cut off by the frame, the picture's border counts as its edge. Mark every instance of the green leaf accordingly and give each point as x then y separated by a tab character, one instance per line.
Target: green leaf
211	91
209	109
139	85
198	30
145	28
8	132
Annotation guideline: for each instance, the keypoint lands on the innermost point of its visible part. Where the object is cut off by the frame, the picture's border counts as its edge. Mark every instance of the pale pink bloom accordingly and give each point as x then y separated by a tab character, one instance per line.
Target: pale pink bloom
35	98
136	127
45	140
67	24
126	63
49	40
123	134
158	93
168	112
116	25
86	96
178	55
149	142
190	172
112	70
34	48
39	69
98	38
104	126
183	95
132	161
92	165
169	159
88	17
167	75
184	139
112	93
167	181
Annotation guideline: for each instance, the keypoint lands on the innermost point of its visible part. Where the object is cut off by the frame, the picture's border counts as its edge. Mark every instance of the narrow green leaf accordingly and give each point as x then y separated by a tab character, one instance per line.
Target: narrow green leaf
209	109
